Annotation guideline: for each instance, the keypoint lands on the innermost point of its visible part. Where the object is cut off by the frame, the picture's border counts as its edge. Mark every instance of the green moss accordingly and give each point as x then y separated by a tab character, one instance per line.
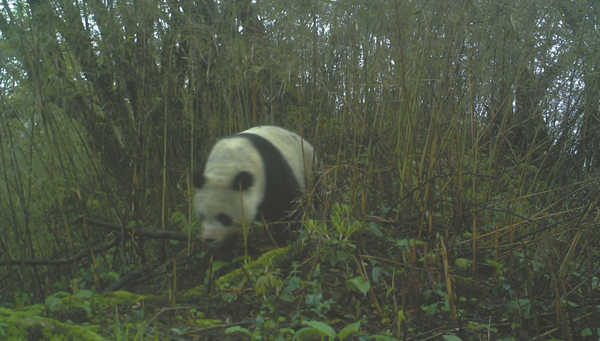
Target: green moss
123	298
205	323
33	310
104	305
26	326
193	294
272	259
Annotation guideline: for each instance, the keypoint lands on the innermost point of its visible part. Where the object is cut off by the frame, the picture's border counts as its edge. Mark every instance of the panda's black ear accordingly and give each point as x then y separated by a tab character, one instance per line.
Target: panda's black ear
242	181
198	179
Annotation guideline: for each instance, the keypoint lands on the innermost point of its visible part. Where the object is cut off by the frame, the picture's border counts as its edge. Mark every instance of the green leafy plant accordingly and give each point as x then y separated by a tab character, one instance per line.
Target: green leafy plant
316	328
358	284
65	301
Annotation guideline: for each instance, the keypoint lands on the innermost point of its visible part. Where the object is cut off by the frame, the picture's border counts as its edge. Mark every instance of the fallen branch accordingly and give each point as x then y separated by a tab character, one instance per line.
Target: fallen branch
149	233
62	261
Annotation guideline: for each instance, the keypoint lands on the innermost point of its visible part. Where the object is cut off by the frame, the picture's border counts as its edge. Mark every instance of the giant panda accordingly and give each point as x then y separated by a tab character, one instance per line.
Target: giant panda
254	175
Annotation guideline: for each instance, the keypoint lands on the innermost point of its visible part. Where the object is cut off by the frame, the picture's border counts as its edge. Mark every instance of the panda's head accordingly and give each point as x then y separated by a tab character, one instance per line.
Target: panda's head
230	190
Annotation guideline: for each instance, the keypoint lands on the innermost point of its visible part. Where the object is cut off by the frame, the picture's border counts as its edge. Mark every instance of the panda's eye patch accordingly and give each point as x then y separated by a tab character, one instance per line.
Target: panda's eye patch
242	181
224	219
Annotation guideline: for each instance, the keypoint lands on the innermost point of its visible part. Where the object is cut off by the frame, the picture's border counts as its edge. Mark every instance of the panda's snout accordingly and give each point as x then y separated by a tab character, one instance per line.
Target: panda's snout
212	237
211	244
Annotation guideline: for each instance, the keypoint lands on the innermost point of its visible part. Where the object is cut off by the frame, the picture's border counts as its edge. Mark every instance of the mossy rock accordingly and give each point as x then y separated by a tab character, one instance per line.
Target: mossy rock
271	259
28	326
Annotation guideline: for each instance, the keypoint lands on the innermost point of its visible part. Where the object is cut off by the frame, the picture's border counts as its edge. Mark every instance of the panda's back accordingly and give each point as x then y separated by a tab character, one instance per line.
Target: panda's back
284	157
297	153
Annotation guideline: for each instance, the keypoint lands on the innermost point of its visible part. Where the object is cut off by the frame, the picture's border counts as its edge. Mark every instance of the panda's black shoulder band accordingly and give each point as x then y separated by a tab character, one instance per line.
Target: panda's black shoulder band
282	187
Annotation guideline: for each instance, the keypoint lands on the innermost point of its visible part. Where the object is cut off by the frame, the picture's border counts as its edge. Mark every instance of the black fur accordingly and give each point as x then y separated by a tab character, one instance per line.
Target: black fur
242	181
282	187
